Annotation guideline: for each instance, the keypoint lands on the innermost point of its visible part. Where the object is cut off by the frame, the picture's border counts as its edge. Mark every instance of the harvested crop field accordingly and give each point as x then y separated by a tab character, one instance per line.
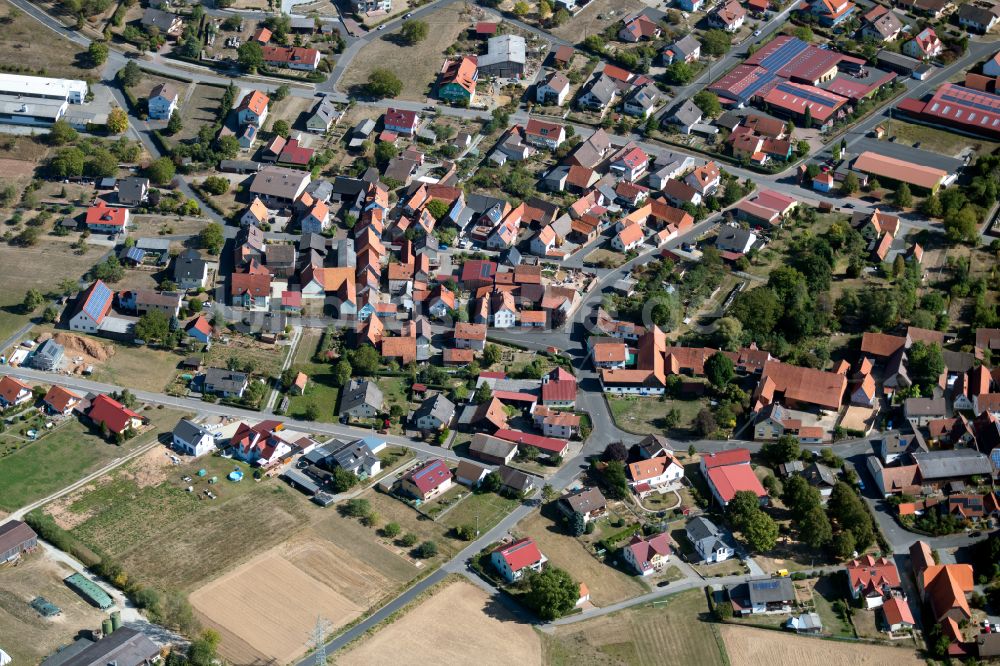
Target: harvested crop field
416	66
750	647
31	45
294	584
459	624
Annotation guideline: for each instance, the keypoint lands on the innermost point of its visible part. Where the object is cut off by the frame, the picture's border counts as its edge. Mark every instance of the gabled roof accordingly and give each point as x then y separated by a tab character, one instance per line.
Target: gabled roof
104	215
430	475
59	398
255	101
644	470
868	570
520	554
110	412
95	301
644	549
724	458
10	388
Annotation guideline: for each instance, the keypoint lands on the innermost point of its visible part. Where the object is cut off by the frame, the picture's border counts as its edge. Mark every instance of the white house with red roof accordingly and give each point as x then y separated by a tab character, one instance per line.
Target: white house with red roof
92	307
514	559
647	555
654	474
631	164
260	444
545	134
104	219
60	401
292	57
874	580
111	414
925	45
729	472
428	481
637	28
629	238
705	179
401	121
13	392
896	614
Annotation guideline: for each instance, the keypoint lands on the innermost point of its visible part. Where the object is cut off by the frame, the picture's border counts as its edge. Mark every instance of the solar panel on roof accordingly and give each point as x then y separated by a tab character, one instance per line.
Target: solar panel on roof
766	585
135	254
975	105
784	54
752	89
806	94
98	297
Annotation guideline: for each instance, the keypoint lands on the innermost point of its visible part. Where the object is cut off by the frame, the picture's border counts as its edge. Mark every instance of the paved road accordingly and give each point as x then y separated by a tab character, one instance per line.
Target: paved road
196	406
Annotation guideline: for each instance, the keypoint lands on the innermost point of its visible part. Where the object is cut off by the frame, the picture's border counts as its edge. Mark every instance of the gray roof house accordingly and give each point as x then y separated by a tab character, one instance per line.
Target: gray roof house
434	413
357	458
587	502
505	57
642	100
707	540
165	22
226	383
362	399
492	450
600	94
735	239
919	411
685	49
193	438
941	466
515	480
669	165
190	269
324	114
122	647
768	595
132	191
685	116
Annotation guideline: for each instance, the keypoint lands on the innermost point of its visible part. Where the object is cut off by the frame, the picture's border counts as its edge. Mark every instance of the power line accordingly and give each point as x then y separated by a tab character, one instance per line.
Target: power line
320	631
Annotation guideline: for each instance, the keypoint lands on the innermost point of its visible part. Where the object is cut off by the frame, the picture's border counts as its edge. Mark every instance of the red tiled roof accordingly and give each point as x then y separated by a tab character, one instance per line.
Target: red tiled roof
730	479
430	475
59	398
105	410
10	388
562	390
548	444
897	611
520	554
724	458
103	214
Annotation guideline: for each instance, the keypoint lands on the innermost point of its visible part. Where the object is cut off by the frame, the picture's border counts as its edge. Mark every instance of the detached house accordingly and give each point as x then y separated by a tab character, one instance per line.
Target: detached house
428	481
832	12
729	17
629	238
874	580
363	399
924	46
434	413
162	101
92	307
104	219
193	439
642	100
253	109
647	555
514	559
458	80
225	383
687	49
705	179
708	540
401	121
292	57
654	474
60	401
544	134
261	444
13	392
588	503
108	413
637	28
631	164
553	89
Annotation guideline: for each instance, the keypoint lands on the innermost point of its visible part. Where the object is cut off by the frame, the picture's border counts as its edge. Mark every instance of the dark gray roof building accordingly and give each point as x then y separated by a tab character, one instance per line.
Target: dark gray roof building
124	647
935	465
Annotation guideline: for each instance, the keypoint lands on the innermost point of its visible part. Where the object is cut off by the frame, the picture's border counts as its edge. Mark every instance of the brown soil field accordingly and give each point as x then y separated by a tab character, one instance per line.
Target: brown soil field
749	647
247	603
19	266
25	635
607	585
459	624
416	66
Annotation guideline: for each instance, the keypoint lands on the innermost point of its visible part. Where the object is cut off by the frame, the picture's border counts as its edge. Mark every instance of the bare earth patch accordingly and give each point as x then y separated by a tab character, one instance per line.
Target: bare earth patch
751	647
458	625
151	468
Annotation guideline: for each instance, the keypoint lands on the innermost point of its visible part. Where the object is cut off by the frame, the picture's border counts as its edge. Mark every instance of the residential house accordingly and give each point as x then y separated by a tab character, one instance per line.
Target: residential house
832	12
167	24
133	190
256	214
516	482
762	596
553	89
687	49
685	116
190	270
427	481
192	438
104	219
924	46
261	444
279	185
630	164
323	115
881	24
401	121
13	392
729	472
470	336
434	413
317	219
225	383
977	17
587	503
92	308
600	94
291	57
918	411
655	474
642	100
106	412
363	399
559	388
639	27
544	134
730	17
629	238
704	179
162	101
514	559
253	109
874	580
470	474
251	290
59	400
735	239
708	540
896	615
647	555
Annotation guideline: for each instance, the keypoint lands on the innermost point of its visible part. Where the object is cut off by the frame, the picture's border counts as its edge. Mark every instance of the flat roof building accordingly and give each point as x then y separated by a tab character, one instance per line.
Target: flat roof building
41	87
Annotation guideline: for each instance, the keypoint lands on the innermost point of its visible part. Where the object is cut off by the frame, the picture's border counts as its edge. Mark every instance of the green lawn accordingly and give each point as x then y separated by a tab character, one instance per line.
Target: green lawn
489	508
64	456
824	594
10	322
322	390
644	416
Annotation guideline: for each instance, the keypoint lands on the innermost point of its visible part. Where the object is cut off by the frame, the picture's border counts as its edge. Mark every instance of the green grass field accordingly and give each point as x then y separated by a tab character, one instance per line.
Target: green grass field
671	632
69	453
644	416
490	509
322	390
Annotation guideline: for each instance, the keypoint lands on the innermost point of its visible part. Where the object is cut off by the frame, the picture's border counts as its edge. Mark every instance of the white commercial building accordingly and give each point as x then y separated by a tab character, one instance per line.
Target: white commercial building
40	87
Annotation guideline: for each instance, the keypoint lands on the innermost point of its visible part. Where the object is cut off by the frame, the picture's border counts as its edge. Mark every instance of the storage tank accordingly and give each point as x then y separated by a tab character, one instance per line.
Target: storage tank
106	626
116	620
